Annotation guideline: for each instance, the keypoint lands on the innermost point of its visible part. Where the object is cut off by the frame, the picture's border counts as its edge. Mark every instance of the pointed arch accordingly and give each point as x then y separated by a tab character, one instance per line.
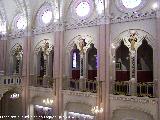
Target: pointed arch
122	63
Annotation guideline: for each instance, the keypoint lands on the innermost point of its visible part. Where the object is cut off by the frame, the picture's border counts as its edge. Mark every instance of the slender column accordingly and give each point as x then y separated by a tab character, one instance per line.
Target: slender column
25	75
58	71
158	56
106	86
3	51
103	70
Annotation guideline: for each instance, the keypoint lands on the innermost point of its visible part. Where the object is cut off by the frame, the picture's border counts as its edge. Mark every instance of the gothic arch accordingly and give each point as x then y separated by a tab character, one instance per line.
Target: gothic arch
16	59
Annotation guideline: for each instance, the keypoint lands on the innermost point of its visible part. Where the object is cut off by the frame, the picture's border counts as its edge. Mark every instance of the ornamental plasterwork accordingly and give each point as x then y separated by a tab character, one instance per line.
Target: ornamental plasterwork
45	7
48	29
87	23
140	35
17	34
77	93
73	13
128	17
76	40
44	46
17	50
121	5
143	100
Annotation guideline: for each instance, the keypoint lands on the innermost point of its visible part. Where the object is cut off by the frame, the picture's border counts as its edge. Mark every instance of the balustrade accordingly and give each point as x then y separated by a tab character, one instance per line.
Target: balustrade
38	81
83	85
11	80
145	89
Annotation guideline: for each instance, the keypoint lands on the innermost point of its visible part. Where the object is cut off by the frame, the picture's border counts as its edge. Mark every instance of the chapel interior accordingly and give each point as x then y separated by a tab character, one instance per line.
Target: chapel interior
79	59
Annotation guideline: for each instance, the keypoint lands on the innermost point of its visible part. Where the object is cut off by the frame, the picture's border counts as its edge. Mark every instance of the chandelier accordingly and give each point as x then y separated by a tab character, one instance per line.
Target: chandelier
96	110
14	96
47	101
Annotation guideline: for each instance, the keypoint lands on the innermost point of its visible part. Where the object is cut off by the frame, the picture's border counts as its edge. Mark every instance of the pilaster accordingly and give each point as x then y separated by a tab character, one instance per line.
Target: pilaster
158	56
58	71
26	74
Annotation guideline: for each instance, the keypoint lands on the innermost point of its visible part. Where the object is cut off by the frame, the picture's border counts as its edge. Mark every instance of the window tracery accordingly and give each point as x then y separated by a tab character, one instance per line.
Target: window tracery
2	27
99	6
20	22
82	9
130	5
45	15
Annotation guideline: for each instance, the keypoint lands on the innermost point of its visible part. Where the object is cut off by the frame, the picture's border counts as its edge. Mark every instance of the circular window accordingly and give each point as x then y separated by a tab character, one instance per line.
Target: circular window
130	5
83	9
21	23
46	16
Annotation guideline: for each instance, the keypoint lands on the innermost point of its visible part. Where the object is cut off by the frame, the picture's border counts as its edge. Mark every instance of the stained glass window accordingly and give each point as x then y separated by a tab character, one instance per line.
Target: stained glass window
21	23
47	16
74	60
83	9
131	3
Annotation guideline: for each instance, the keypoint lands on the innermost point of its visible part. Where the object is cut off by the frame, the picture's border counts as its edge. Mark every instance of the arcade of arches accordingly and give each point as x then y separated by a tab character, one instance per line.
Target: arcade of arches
79	59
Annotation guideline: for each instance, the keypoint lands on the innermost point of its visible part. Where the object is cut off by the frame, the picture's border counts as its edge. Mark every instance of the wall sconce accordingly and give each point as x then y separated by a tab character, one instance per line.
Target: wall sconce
14	96
47	101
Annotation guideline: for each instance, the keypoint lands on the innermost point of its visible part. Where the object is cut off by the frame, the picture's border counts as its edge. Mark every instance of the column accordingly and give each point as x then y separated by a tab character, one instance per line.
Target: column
26	74
3	53
103	70
58	71
158	57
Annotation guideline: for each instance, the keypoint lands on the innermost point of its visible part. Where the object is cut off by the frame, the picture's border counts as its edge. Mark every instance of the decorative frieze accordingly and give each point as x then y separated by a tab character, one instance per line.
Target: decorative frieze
128	17
61	26
78	93
143	100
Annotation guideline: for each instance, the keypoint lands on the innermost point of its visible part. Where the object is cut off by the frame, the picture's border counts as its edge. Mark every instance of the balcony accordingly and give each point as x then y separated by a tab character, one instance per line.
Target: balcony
37	81
82	85
11	80
146	89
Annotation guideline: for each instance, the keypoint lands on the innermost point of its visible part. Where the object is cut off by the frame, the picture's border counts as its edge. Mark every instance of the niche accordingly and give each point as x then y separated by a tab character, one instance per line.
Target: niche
75	62
122	63
145	62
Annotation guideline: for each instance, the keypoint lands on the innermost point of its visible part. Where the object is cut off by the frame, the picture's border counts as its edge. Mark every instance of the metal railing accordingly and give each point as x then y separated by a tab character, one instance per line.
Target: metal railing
83	85
38	81
145	89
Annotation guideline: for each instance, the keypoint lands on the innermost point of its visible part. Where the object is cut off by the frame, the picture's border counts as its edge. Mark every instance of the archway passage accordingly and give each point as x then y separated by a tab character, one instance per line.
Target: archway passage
75	57
122	63
131	114
145	69
145	62
92	62
11	105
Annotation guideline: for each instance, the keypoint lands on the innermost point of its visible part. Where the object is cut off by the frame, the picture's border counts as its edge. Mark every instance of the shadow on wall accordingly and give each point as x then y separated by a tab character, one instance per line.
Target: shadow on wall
131	114
11	105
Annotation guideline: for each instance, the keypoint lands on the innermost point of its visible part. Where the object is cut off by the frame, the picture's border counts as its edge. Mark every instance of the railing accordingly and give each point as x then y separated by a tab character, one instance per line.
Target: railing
11	80
83	85
45	81
145	89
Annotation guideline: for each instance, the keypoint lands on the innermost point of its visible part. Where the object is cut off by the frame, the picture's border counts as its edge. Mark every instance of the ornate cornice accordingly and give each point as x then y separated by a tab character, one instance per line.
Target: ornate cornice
48	29
135	99
128	17
88	23
78	93
16	34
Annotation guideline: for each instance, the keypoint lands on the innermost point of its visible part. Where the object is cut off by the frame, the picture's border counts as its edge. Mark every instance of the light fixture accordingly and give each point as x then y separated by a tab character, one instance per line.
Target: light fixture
14	96
155	6
48	101
96	110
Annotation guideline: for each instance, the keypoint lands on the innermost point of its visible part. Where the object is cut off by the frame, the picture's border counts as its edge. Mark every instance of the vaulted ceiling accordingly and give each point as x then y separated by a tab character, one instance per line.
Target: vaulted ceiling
10	8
